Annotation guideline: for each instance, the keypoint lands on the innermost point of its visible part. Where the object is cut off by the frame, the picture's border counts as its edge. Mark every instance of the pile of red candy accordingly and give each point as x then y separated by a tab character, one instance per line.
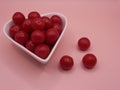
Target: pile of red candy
37	33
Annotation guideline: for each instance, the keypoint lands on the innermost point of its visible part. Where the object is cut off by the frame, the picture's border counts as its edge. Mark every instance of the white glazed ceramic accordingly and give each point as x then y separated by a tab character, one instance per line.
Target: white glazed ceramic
6	32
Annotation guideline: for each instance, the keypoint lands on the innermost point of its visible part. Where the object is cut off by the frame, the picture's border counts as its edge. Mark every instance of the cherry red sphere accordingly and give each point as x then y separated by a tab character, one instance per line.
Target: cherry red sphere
30	45
38	24
13	30
37	37
83	43
27	26
18	18
34	14
21	37
56	19
89	61
42	50
58	27
47	21
52	36
66	62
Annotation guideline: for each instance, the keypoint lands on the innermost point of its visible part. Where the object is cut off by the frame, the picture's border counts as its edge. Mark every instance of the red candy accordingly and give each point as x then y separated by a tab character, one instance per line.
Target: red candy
89	61
47	21
56	19
18	18
42	50
13	30
58	27
38	24
32	15
51	36
83	43
30	45
39	34
66	62
35	32
37	37
27	26
21	37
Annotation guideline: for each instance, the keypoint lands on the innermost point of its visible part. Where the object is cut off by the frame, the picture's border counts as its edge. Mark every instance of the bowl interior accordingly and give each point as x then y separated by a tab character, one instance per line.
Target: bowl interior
10	23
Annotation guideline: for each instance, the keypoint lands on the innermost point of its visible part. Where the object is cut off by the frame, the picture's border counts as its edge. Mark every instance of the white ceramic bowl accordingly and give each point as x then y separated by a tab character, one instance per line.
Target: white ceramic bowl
6	32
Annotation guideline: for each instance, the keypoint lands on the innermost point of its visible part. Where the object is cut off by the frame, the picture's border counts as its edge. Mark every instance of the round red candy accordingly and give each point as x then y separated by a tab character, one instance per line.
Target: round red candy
51	36
18	18
21	37
42	50
38	24
58	27
56	19
32	15
13	30
27	26
89	61
37	37
30	45
47	21
83	43
66	62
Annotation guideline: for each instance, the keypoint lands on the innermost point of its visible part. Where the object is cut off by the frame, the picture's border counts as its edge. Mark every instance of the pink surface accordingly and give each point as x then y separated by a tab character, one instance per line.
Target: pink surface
97	20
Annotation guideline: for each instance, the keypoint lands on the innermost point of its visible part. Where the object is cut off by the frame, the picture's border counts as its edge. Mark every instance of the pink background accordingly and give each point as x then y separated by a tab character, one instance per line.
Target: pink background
99	20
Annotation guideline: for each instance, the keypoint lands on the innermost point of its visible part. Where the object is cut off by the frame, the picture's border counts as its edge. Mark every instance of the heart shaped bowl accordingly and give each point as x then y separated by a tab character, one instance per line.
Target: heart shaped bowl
10	23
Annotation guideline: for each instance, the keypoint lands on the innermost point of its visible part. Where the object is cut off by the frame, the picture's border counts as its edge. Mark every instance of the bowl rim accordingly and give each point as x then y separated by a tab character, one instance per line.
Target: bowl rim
44	61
